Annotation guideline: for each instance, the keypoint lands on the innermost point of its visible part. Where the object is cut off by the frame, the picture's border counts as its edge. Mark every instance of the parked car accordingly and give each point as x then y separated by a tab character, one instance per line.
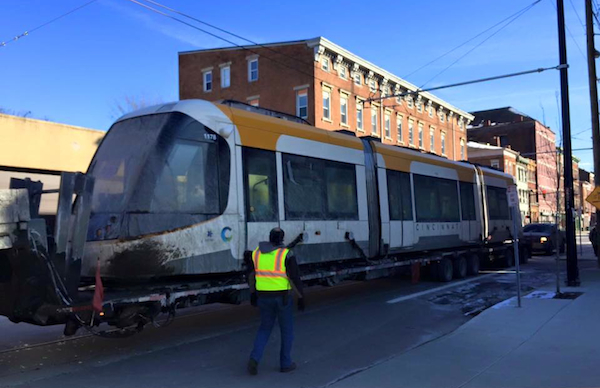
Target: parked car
542	238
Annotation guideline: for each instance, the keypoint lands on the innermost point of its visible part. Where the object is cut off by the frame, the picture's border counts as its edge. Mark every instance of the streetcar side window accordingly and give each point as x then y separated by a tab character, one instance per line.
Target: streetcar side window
436	199
316	189
497	203
467	201
399	196
260	181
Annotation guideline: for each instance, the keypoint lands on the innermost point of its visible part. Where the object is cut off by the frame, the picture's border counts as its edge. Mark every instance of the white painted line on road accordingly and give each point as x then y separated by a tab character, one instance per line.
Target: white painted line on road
433	290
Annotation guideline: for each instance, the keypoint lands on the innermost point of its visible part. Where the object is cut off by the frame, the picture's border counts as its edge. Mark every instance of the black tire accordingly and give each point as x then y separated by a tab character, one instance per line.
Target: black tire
444	270
459	267
473	264
509	258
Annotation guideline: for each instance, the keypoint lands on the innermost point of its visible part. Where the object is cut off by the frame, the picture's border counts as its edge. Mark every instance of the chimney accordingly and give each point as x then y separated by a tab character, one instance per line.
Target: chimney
488	123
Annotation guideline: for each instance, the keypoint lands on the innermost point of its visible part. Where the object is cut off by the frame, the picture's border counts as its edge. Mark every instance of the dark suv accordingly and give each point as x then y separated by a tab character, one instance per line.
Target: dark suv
542	238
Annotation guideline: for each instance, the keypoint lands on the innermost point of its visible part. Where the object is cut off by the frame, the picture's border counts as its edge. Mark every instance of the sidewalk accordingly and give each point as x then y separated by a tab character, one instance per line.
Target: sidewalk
546	343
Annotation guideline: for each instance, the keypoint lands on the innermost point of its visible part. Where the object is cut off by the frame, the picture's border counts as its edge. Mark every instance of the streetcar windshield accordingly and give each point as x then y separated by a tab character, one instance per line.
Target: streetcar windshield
158	172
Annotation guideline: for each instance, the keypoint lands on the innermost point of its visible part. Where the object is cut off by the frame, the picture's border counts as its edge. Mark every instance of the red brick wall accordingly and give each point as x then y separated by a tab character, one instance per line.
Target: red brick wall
278	74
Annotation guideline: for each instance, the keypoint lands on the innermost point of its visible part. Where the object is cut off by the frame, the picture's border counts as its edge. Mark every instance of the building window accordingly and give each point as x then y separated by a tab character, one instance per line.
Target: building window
411	126
207	77
442	117
461	124
495	163
326	104
359	115
409	103
344	109
225	77
342	71
504	141
430	110
443	143
420	135
432	139
325	63
419	106
302	104
388	125
462	149
357	79
253	70
372	85
399	128
374	129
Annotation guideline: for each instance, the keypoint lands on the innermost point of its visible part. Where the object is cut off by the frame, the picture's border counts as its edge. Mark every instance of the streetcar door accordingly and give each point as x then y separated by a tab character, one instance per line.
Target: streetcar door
260	195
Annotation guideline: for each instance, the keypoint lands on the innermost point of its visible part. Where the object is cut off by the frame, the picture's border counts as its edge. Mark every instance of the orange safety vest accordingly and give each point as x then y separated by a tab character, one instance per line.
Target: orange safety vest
269	270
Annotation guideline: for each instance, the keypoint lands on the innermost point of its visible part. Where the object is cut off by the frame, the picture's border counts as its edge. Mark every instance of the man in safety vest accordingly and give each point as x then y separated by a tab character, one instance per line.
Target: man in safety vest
273	276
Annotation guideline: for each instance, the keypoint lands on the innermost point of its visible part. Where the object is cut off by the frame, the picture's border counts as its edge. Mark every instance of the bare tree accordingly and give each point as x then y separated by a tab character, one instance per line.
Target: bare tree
130	103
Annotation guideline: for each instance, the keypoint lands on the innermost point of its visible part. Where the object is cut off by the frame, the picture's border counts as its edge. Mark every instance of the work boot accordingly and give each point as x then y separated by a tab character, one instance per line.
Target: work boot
289	368
252	367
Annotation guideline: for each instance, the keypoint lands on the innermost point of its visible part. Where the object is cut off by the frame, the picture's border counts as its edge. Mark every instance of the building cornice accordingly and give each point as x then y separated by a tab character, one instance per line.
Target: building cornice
319	42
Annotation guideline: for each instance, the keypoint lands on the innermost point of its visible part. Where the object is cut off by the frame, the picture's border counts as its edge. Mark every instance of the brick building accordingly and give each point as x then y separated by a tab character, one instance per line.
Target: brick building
329	87
532	139
509	161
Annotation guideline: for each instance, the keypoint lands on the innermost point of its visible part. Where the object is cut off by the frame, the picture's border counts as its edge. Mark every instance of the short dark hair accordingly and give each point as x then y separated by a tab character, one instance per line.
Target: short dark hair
276	236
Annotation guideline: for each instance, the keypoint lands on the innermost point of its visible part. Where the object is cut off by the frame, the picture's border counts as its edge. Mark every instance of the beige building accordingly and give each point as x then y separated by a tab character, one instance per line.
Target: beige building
41	150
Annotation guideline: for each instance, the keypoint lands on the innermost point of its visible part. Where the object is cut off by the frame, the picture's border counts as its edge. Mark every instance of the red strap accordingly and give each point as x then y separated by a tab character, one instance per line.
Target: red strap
278	260
255	258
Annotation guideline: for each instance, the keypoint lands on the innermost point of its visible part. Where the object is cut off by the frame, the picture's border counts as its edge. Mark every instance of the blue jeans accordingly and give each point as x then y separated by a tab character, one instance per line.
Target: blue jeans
271	309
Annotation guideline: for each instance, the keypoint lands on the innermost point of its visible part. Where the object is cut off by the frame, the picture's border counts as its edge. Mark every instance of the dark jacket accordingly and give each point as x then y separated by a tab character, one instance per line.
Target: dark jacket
291	269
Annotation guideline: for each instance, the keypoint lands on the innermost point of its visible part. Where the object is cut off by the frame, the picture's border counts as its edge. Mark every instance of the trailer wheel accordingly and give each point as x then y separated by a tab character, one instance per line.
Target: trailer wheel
473	264
459	267
509	258
444	270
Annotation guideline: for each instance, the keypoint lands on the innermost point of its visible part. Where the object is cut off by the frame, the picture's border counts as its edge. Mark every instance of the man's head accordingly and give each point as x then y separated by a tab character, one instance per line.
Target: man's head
276	236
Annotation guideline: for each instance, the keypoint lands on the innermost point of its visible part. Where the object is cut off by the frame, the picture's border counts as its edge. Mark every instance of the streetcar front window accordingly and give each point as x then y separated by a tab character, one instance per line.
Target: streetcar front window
155	173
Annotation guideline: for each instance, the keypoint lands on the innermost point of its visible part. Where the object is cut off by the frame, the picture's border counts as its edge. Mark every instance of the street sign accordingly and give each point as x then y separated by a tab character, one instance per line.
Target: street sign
594	197
513	196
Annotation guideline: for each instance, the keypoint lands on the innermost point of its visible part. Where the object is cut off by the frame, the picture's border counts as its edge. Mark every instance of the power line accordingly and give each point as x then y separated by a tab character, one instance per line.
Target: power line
577	14
469	40
512	19
224	39
571	35
226	31
26	33
480	80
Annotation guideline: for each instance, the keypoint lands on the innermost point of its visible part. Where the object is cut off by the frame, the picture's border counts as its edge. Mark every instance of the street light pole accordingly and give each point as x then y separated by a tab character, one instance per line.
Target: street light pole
572	265
591	57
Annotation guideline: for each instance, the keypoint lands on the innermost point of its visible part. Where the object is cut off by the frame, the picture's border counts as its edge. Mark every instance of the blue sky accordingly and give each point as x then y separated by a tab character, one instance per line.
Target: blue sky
76	69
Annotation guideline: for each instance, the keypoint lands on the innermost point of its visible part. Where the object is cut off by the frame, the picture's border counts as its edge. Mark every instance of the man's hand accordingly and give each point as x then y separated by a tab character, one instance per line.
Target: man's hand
301	305
254	299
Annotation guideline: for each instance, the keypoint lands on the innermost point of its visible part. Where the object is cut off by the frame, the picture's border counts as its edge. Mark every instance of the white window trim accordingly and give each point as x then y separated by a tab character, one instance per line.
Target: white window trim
432	138
443	143
204	73
325	60
250	60
324	89
387	113
400	138
298	94
342	74
347	97
360	80
421	135
221	75
375	109
360	102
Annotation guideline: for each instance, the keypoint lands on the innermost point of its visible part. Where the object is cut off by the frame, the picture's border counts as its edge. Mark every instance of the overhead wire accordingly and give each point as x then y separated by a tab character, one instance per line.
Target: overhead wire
509	21
577	14
468	40
572	37
26	33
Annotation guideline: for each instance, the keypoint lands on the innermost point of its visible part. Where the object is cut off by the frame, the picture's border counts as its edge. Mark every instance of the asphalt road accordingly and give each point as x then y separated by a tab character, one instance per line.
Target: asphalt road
346	329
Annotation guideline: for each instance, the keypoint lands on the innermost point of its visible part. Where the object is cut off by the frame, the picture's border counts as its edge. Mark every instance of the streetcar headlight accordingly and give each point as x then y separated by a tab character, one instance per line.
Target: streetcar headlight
543	239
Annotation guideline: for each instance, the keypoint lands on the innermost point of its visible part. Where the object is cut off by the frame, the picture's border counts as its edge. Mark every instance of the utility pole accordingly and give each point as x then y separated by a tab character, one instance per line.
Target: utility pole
572	265
591	57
